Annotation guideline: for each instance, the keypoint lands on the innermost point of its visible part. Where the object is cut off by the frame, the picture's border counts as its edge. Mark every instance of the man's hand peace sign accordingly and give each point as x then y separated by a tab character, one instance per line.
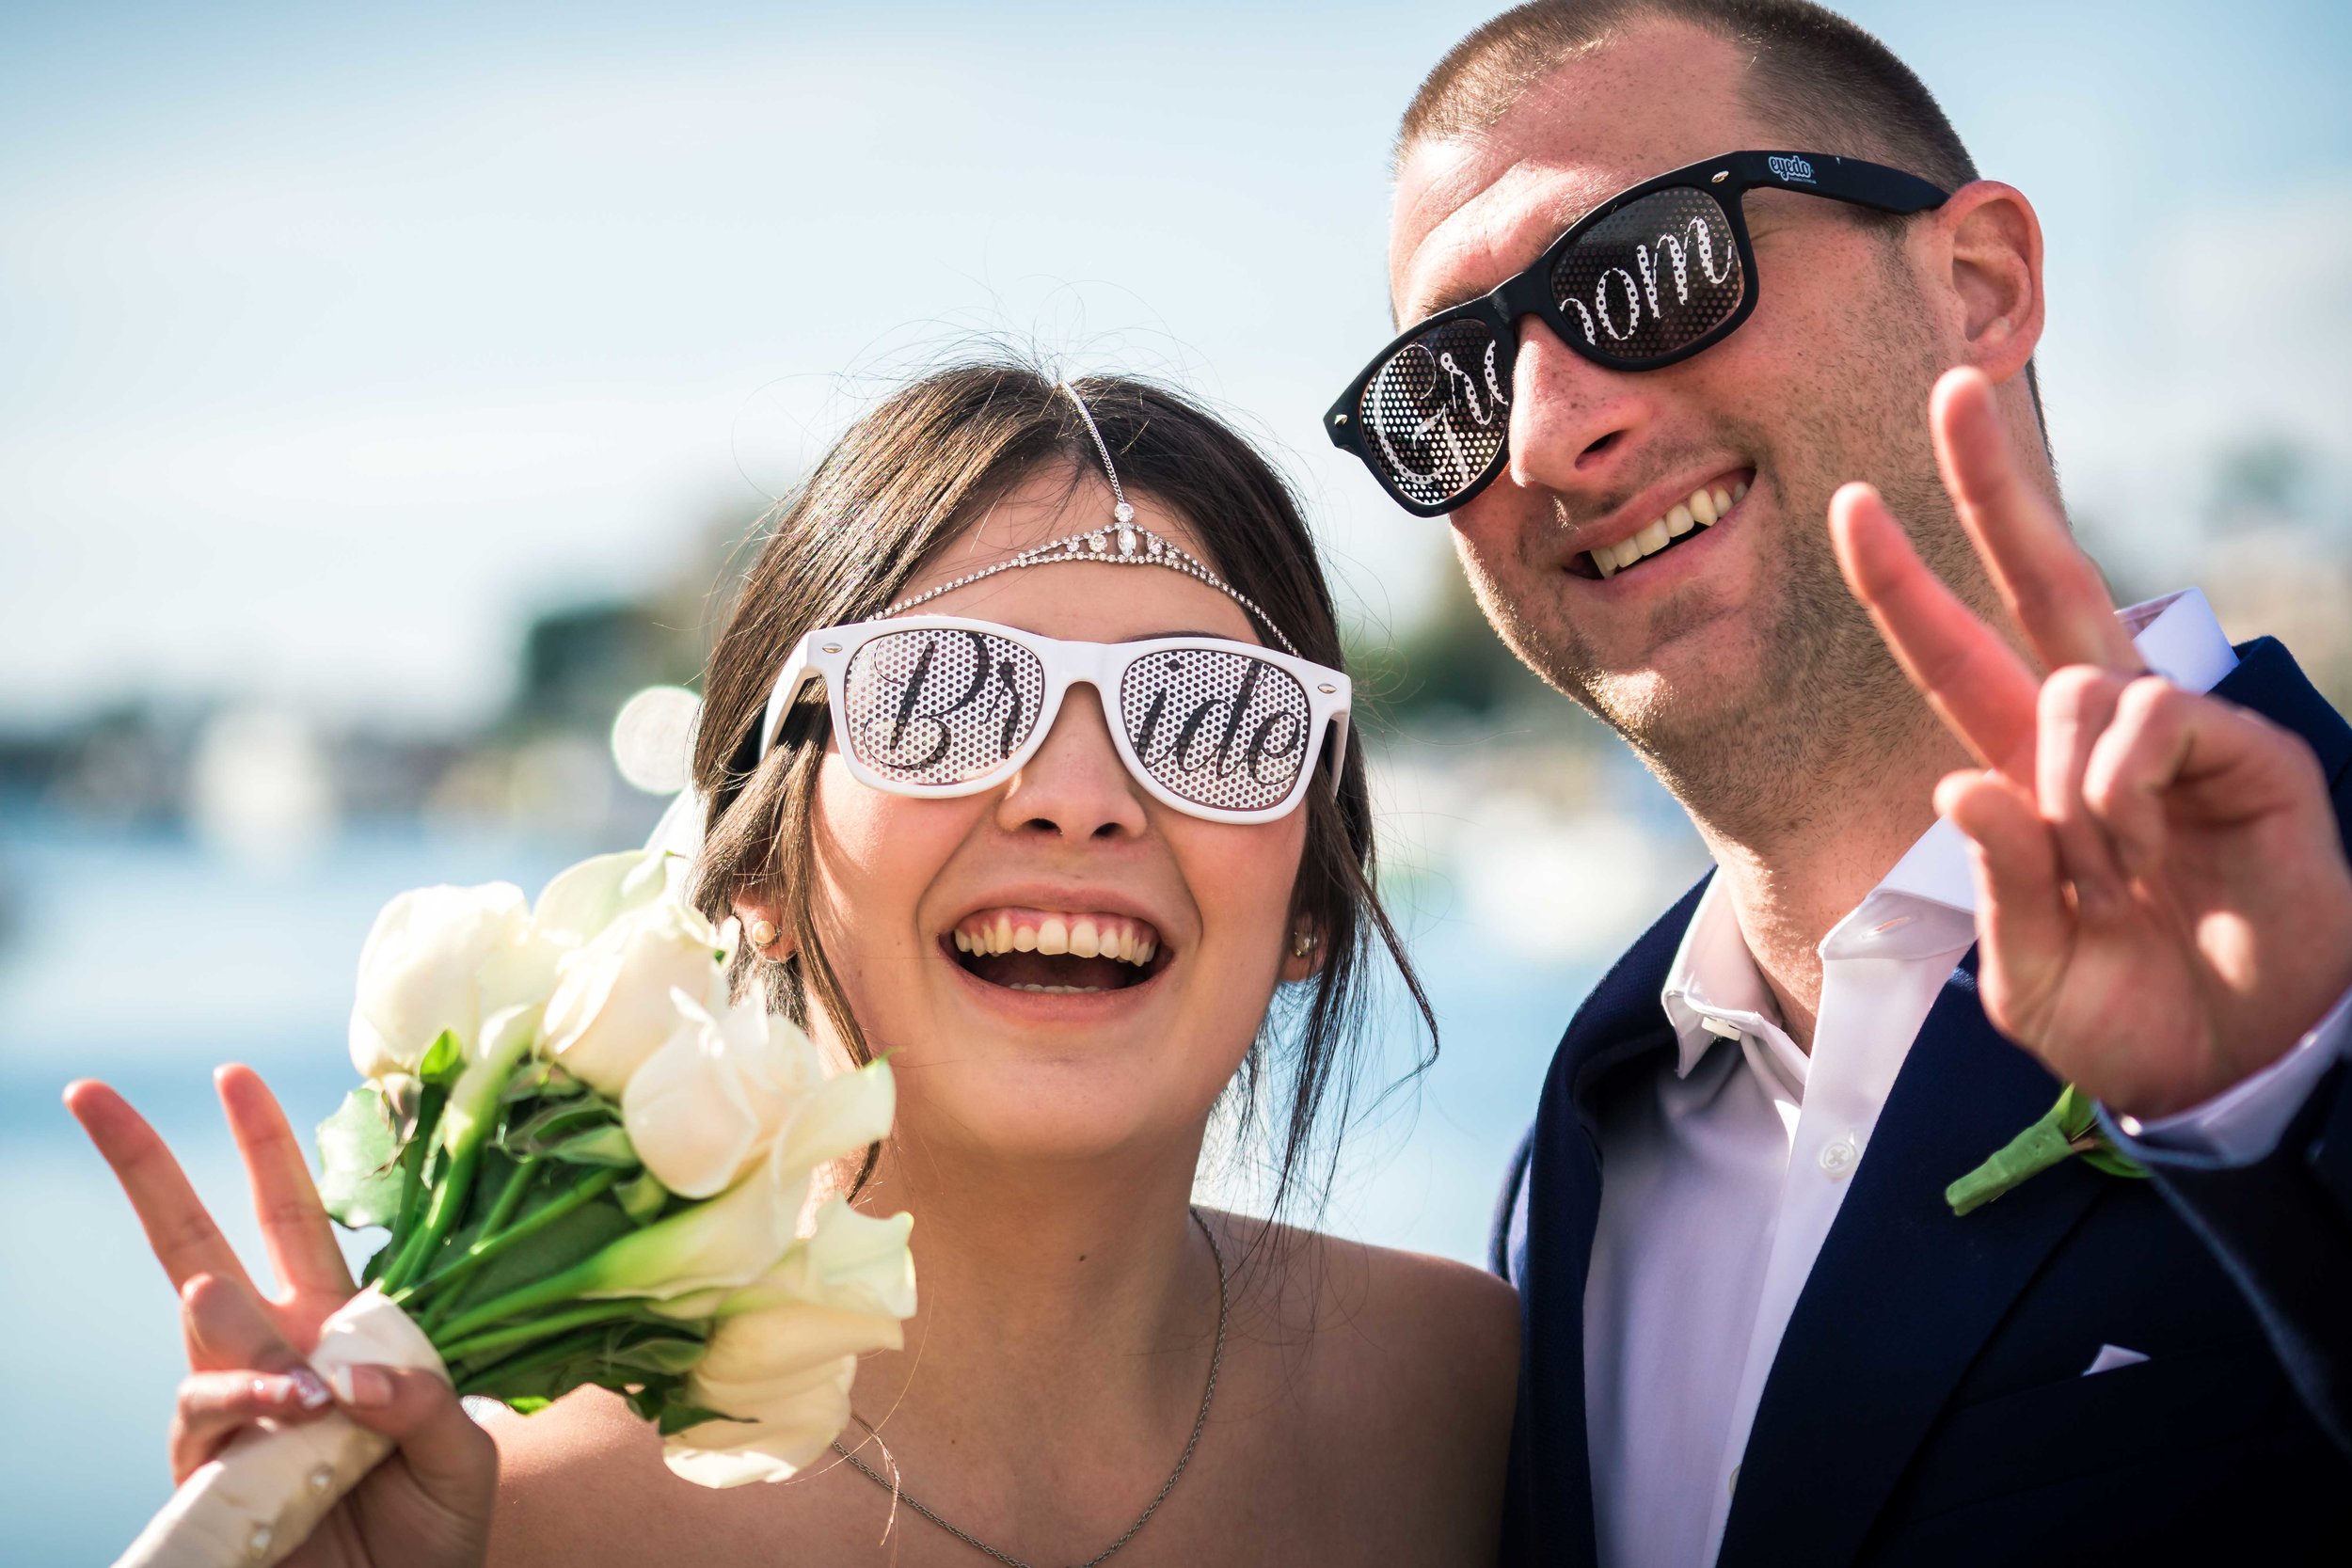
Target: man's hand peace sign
2163	902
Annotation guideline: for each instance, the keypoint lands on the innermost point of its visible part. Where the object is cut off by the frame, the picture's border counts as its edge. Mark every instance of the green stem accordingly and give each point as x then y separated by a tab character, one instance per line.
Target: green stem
411	1254
539	1328
445	1281
468	1120
440	1217
532	1224
549	1291
486	1247
484	1380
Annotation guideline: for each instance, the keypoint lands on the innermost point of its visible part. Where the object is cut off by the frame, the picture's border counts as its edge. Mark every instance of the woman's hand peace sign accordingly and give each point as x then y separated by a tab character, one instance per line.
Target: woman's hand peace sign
429	1503
2163	903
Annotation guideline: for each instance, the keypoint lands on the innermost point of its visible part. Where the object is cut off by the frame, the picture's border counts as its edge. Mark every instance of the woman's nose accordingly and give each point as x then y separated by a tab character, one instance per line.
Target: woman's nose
1075	786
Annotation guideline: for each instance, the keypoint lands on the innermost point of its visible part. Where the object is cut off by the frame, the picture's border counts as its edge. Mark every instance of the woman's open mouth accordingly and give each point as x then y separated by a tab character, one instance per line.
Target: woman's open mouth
1056	952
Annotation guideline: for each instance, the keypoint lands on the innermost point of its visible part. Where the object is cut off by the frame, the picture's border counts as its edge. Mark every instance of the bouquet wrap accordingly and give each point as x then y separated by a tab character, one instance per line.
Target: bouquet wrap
272	1484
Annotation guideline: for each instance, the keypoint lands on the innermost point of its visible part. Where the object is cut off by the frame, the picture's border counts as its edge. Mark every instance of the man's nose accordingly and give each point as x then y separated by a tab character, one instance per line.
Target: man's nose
1573	424
1074	787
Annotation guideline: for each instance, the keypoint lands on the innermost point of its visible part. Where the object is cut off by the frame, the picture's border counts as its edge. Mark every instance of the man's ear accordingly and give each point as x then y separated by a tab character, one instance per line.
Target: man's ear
762	913
1989	263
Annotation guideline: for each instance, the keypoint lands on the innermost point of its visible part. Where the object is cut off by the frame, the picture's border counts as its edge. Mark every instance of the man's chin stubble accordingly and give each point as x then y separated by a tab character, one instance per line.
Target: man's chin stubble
1750	759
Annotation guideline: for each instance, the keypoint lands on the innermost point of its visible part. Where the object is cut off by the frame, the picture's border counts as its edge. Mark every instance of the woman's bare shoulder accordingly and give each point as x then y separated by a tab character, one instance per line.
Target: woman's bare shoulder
1401	1370
1387	1332
574	1483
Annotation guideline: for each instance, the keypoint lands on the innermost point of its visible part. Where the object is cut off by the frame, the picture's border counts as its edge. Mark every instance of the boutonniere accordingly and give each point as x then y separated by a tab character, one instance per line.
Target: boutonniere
2069	1130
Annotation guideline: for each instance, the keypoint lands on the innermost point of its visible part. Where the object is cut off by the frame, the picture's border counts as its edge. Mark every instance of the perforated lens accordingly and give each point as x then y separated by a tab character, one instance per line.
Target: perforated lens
1436	412
940	706
1217	727
1652	277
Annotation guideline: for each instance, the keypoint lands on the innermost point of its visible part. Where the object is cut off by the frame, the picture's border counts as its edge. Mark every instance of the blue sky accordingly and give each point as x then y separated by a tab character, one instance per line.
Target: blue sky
335	342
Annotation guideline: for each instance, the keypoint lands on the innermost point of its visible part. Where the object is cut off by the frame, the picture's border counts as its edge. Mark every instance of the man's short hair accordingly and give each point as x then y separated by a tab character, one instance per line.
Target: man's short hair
1821	82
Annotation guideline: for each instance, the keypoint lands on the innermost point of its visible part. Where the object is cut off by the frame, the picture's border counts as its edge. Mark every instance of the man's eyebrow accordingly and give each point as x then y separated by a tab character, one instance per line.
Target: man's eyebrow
1464	293
1445	302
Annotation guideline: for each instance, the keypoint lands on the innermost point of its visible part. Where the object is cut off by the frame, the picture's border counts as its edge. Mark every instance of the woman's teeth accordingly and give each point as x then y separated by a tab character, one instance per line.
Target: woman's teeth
1083	936
1699	510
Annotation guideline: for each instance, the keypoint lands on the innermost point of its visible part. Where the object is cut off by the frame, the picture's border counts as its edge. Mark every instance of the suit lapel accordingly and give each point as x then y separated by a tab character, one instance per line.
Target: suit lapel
1560	1194
1903	1293
2269	681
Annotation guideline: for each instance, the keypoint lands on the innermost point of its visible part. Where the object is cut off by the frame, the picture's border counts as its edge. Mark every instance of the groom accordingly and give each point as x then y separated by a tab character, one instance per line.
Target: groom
1756	1331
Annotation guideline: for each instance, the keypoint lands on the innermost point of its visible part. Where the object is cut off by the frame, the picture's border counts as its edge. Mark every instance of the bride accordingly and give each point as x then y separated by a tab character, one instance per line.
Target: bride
1026	761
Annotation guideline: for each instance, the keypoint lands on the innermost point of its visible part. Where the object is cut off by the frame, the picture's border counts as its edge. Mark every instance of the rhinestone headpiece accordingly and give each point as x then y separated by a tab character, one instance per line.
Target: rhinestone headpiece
1126	542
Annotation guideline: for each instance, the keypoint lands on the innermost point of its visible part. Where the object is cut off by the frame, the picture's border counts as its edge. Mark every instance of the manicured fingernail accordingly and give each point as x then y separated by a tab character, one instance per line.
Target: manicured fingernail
310	1389
361	1387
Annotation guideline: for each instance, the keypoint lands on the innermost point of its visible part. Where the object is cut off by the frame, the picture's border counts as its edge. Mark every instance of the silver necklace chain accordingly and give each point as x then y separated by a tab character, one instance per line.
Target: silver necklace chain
1216	1359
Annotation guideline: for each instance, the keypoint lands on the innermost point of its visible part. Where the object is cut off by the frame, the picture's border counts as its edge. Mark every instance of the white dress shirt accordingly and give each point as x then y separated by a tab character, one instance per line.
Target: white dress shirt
1720	1186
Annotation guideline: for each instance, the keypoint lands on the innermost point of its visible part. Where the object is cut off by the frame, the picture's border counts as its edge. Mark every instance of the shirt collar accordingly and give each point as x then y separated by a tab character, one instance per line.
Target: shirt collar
1714	976
1927	904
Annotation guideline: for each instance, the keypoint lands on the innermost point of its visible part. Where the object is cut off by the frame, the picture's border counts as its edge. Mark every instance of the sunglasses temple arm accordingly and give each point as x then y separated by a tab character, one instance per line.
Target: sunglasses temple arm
789	680
1339	749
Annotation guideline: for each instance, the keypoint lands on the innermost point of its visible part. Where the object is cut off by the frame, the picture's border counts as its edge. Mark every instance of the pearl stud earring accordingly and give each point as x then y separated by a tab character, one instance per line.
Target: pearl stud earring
763	933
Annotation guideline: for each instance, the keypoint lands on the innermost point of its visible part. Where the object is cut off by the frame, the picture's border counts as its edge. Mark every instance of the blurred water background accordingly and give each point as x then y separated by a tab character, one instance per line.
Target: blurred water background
382	396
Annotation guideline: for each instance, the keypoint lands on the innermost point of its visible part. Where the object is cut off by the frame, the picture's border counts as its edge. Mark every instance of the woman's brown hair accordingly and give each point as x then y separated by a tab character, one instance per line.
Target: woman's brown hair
903	482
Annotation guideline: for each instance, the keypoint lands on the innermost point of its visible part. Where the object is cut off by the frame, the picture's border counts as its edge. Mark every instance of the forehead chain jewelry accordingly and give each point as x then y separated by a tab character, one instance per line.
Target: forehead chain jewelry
1126	542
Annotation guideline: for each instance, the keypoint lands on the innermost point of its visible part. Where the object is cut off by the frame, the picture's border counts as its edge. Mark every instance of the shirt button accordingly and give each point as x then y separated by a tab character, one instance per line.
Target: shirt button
1733	1484
1838	1158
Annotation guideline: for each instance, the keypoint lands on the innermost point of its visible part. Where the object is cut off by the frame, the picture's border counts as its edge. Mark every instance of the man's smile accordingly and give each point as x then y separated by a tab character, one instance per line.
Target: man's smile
1631	537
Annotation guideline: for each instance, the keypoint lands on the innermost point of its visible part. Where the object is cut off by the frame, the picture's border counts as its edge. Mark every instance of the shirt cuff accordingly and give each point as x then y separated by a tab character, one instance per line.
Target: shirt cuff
2242	1124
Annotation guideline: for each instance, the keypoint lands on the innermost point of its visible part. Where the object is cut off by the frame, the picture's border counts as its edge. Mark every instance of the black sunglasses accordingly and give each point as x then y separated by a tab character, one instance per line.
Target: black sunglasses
1652	276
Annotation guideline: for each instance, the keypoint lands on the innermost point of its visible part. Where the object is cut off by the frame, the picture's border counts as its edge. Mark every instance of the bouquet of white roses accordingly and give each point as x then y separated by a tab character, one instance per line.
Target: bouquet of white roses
595	1170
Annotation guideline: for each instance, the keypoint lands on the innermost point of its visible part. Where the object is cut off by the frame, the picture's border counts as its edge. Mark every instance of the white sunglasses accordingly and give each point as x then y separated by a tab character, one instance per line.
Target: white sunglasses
936	706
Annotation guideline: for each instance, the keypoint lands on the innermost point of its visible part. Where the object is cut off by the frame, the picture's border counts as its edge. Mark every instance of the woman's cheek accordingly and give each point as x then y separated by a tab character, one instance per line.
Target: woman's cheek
1241	876
874	855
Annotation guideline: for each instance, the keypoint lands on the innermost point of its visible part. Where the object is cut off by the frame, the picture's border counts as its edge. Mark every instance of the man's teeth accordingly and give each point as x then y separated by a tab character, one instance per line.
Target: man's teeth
1084	936
1700	510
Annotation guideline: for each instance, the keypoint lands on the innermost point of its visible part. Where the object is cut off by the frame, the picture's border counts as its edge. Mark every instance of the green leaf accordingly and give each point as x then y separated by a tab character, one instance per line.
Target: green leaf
443	1061
677	1417
543	1130
575	1238
541	1080
657	1348
598	1146
2114	1162
360	1174
528	1404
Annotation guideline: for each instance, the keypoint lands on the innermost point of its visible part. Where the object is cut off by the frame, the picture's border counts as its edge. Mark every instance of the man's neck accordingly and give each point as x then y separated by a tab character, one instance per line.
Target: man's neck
1792	879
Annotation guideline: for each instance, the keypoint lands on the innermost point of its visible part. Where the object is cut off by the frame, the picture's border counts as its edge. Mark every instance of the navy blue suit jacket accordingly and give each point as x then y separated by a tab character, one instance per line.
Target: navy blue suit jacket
1927	1405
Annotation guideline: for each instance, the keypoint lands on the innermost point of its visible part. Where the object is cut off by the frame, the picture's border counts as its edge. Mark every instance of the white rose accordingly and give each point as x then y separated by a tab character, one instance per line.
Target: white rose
784	1372
783	1352
585	898
853	1262
704	1107
439	958
781	1429
611	1006
722	1242
842	1115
